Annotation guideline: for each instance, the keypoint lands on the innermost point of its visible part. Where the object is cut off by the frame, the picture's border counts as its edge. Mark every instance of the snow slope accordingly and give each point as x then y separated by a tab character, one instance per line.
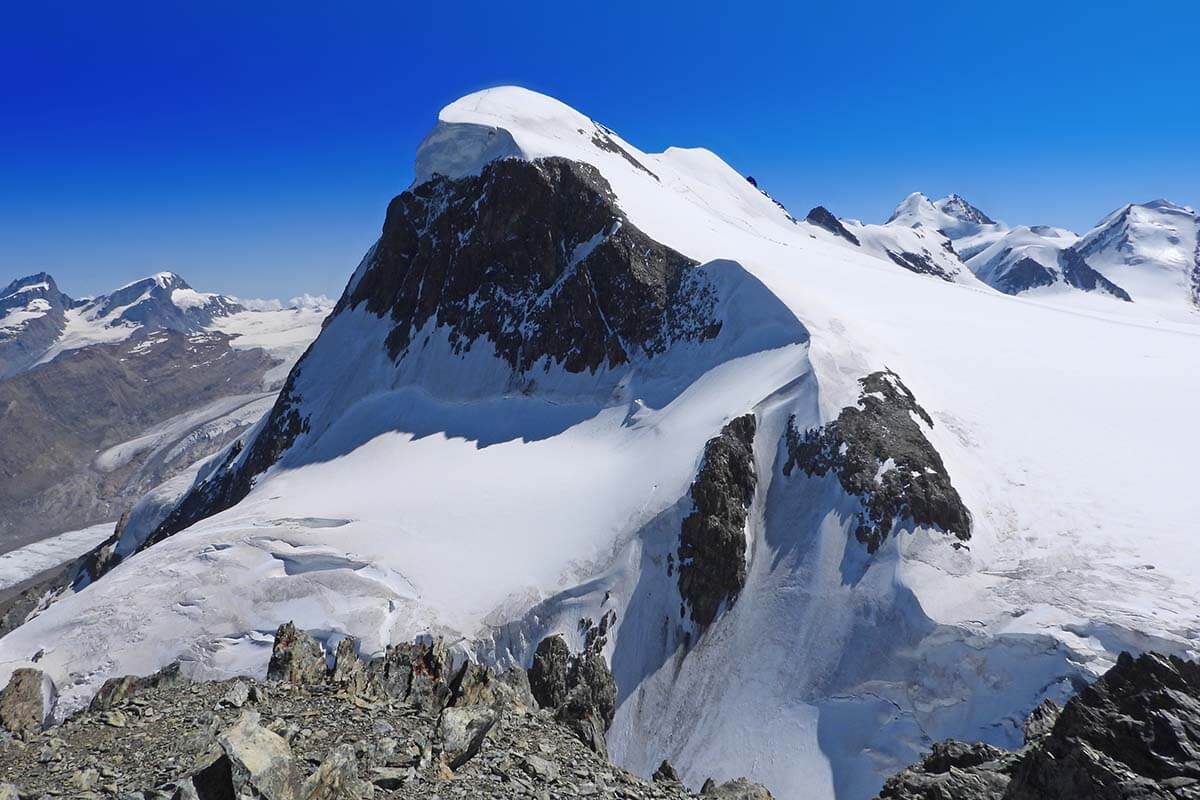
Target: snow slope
444	493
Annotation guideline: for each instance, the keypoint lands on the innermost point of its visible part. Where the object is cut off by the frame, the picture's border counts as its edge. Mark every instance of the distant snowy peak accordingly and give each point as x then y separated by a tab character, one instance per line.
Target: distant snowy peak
162	301
1151	249
955	206
38	321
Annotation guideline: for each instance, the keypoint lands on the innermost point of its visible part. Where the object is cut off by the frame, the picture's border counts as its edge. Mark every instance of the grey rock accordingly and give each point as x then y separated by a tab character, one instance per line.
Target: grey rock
336	778
461	731
823	218
27	701
296	657
548	674
116	691
539	768
237	696
665	773
1041	721
349	672
736	789
260	761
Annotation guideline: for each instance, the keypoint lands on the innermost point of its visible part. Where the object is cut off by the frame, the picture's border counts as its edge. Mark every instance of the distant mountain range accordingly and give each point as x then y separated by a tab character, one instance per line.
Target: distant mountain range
104	398
1146	253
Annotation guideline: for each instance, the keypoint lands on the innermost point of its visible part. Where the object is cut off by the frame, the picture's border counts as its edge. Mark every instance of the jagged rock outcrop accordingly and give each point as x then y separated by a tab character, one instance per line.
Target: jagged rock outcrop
534	258
1077	273
1134	733
27	701
1025	274
712	539
824	218
578	689
923	263
296	657
881	456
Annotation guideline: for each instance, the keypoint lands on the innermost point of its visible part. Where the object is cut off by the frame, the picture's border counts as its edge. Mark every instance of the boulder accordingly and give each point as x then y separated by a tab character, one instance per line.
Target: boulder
296	657
461	731
665	773
27	701
736	789
260	761
349	672
336	778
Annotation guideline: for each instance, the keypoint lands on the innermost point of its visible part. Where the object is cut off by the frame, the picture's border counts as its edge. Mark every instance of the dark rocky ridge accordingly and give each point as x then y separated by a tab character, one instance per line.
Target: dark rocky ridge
923	263
824	218
1134	733
1077	273
1024	275
406	725
535	258
881	456
712	539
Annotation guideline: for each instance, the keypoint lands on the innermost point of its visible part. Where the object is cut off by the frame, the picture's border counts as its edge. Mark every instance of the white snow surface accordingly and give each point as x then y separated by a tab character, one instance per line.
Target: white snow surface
25	562
445	495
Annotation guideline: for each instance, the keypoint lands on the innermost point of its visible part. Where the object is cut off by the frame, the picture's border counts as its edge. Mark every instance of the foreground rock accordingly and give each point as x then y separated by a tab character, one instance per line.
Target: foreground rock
404	725
26	703
1134	733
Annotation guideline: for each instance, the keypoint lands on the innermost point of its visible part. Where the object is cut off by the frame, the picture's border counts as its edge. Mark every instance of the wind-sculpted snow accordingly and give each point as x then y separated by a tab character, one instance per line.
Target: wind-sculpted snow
499	499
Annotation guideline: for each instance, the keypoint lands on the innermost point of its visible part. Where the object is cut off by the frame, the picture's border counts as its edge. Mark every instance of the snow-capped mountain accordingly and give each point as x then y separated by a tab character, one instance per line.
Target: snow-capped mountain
37	322
1152	250
825	510
107	397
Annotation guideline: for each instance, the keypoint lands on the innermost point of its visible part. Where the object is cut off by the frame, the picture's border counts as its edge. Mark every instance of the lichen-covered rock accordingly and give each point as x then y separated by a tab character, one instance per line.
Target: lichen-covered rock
27	701
336	778
712	540
881	455
296	657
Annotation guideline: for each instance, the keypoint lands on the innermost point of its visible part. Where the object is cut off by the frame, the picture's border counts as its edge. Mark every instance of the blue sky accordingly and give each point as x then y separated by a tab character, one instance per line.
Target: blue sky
253	147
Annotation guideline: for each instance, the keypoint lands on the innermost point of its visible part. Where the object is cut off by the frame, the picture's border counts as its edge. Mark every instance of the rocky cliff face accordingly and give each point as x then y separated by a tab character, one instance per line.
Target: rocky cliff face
1134	733
32	317
532	259
881	456
712	540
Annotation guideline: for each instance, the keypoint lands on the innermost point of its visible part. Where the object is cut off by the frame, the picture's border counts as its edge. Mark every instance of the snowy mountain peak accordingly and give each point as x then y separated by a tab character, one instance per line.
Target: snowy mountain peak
914	209
960	209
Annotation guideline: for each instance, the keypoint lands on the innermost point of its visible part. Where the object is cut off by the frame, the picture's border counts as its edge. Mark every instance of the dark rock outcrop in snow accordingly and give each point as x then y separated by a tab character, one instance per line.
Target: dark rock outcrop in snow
32	317
824	218
881	456
712	540
1024	275
1077	273
923	263
1134	733
534	258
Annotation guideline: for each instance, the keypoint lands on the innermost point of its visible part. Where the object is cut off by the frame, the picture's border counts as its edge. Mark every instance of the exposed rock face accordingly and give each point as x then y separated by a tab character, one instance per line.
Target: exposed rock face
27	700
461	731
296	657
824	218
923	263
548	674
712	541
533	258
579	689
1077	273
1024	275
1134	733
881	456
32	317
260	760
960	209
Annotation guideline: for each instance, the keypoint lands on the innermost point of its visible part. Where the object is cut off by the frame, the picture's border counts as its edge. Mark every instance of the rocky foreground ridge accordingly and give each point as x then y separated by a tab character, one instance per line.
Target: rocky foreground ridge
406	725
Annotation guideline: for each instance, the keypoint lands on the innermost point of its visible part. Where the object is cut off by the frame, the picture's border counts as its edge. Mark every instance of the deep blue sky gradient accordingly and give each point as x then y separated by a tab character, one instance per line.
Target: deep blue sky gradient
253	147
